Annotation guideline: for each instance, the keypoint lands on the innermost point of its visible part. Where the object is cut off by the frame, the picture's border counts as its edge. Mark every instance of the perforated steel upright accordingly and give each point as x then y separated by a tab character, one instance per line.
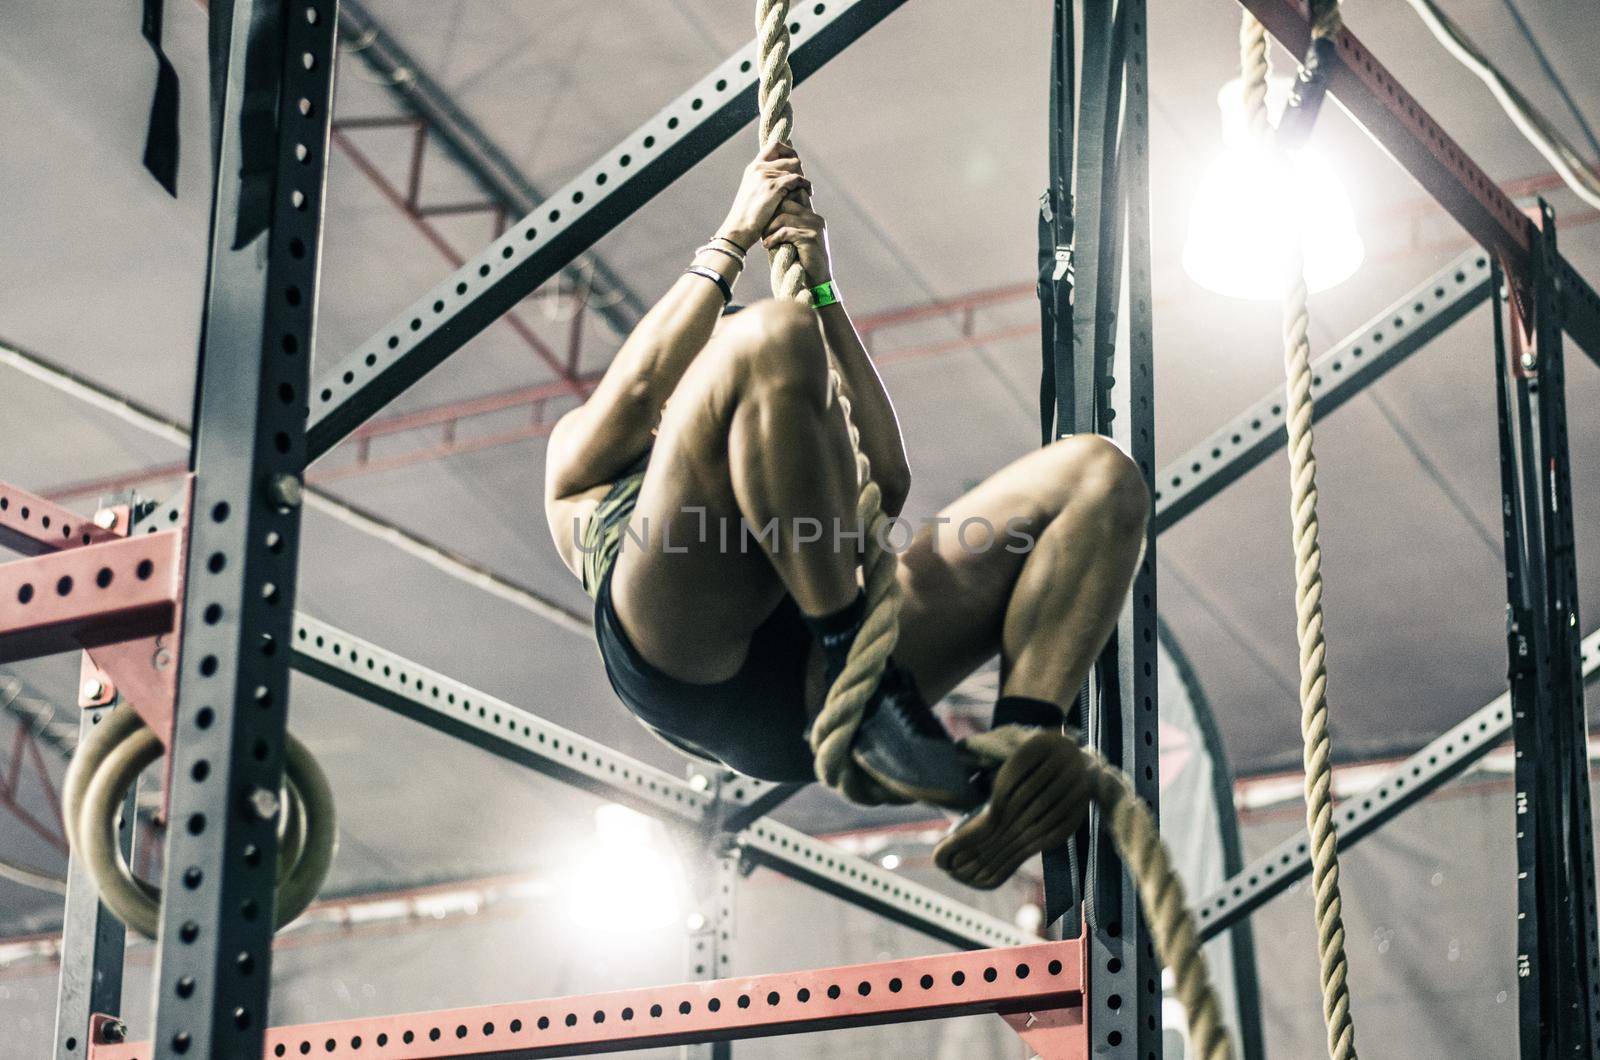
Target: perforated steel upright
212	976
1099	388
1130	717
92	939
1558	953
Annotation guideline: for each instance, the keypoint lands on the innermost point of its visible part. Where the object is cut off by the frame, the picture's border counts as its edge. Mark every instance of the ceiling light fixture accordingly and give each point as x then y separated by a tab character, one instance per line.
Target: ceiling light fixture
1254	206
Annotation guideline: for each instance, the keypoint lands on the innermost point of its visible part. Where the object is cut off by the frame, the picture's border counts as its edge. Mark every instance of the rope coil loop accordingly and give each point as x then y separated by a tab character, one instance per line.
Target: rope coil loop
1133	827
104	770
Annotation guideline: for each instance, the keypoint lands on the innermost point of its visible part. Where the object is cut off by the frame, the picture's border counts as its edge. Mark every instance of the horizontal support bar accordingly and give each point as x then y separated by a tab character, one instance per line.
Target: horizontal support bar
1358	361
458	710
84	597
1046	977
571	221
824	866
1413	780
33	525
454	411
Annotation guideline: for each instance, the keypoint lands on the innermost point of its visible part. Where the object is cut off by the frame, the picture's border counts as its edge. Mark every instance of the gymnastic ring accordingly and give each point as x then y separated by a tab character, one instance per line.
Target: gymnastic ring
114	727
308	832
307	827
117	726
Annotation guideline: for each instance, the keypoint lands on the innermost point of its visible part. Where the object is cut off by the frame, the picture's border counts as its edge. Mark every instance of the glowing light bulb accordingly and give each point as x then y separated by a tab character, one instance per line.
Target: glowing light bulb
1255	208
627	879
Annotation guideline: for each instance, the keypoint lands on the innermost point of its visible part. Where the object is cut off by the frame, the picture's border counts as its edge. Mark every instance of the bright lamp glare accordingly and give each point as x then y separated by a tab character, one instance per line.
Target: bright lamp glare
627	880
1255	208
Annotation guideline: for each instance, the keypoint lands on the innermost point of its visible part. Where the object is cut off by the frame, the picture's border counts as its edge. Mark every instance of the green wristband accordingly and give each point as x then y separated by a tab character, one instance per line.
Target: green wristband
824	294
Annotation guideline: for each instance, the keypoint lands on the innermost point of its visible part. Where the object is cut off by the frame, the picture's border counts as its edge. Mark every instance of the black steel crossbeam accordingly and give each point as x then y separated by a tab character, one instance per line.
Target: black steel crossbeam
215	964
1355	363
1129	395
1112	391
1442	760
571	221
1580	307
501	728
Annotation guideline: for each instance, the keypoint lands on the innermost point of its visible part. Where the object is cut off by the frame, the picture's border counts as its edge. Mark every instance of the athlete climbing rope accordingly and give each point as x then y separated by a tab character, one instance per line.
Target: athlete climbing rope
707	496
725	495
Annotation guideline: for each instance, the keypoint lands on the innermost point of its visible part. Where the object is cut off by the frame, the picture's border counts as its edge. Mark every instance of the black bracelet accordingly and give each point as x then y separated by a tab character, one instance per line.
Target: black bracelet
715	277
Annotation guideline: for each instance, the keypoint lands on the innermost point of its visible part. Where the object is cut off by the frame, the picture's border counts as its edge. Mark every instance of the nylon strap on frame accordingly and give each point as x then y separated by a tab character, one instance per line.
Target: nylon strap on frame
1055	280
1055	276
258	121
161	134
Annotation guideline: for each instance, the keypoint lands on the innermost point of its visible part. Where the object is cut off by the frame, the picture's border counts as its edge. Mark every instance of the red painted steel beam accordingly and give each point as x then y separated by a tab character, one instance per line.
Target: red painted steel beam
399	201
379	121
35	526
945	306
959	342
1040	987
429	454
433	416
89	596
1393	117
460	410
25	747
456	209
107	484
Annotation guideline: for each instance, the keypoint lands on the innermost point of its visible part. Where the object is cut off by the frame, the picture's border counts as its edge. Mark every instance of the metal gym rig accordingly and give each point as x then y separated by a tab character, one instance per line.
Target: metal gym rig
142	599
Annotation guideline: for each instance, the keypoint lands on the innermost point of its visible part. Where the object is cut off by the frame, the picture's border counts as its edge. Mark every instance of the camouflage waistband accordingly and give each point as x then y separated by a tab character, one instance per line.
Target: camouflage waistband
602	535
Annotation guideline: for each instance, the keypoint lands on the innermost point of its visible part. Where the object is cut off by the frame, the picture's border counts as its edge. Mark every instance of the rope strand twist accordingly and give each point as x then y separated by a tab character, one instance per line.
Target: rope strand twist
834	729
1308	575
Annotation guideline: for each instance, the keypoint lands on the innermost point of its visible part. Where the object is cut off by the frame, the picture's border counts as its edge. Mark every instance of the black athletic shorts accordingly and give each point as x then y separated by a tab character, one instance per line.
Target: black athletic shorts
754	722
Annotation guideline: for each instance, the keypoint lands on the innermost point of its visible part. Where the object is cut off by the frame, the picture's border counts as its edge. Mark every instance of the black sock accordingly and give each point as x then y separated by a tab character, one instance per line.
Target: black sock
1033	713
836	632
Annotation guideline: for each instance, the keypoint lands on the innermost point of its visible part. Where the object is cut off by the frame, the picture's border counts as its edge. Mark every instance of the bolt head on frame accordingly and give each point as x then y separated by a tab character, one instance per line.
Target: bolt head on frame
285	490
265	803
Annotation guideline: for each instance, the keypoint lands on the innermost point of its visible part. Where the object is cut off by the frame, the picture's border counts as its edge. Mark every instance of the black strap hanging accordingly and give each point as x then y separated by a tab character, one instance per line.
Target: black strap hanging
1055	287
1055	229
161	134
258	120
219	33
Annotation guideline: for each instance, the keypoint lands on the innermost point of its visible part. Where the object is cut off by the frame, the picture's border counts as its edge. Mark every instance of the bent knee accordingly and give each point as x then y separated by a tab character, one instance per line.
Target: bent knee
1097	472
777	346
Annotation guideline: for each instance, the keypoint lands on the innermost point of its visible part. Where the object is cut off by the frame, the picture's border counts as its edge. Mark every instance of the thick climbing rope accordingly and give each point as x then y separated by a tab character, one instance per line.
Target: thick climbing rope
1308	575
1133	827
1138	840
834	729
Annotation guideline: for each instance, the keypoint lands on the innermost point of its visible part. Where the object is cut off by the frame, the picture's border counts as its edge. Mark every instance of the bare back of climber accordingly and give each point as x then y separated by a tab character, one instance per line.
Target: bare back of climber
706	495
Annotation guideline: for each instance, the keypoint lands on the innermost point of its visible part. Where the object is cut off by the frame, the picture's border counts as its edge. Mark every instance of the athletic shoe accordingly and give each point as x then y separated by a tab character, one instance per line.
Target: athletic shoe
902	746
